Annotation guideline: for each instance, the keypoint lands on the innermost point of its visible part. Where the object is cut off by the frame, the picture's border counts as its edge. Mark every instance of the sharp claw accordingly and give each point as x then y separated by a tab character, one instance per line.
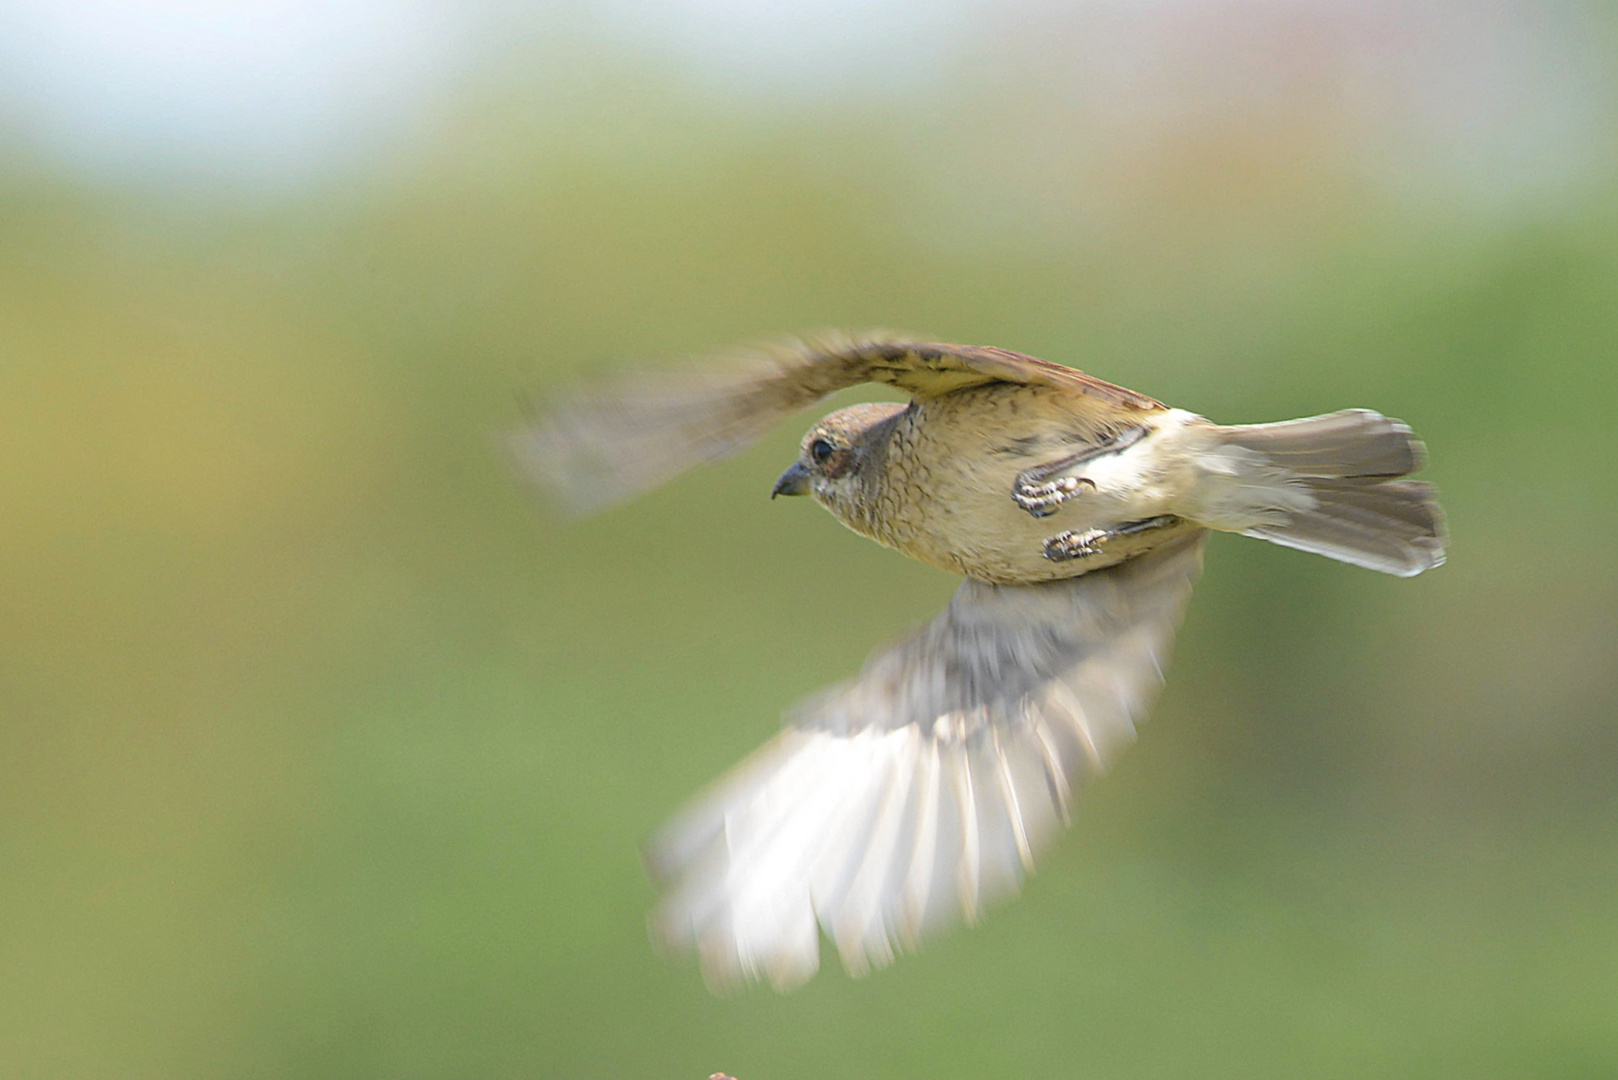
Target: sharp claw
1043	500
1076	545
1037	493
1064	547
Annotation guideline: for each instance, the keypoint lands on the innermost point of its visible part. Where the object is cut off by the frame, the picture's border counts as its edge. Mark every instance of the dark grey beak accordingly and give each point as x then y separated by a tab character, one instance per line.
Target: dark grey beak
795	481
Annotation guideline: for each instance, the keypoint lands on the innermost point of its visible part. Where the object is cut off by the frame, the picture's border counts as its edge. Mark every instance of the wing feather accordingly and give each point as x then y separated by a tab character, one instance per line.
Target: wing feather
627	434
924	789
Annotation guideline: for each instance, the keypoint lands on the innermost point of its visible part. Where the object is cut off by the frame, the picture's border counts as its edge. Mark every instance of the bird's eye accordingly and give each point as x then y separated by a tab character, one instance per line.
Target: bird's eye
820	450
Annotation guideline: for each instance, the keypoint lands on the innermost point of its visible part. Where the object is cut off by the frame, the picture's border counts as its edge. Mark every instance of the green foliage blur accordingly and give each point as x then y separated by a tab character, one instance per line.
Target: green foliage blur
325	748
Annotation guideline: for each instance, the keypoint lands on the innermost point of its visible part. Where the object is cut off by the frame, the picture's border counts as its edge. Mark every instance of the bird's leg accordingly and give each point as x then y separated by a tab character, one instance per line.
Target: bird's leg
1073	544
1042	489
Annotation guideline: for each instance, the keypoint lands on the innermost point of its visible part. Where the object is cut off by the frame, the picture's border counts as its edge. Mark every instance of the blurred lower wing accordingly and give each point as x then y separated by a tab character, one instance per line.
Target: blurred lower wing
909	798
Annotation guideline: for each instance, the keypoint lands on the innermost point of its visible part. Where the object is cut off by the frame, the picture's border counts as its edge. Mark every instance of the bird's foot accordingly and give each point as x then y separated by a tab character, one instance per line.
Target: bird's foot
1070	545
1073	544
1042	489
1043	500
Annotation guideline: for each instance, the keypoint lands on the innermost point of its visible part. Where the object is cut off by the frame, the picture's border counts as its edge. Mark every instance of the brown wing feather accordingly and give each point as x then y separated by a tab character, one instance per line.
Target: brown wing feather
929	369
623	436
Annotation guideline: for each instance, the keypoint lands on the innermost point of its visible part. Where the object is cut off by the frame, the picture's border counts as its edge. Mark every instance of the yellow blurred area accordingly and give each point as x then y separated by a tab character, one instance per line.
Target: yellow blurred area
326	749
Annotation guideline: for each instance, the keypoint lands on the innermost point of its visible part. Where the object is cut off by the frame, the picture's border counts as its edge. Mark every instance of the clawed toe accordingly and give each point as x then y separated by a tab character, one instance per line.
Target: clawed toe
1073	544
1042	489
1064	547
1043	500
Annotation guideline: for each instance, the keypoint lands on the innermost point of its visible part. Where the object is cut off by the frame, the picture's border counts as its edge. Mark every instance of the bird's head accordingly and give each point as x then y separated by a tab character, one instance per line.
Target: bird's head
840	460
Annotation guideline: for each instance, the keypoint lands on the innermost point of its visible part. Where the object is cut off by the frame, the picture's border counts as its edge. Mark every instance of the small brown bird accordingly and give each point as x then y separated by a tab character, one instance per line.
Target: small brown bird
911	796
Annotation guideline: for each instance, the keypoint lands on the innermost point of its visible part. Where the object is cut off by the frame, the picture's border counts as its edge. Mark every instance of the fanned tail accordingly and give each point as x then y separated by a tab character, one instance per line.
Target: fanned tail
1346	498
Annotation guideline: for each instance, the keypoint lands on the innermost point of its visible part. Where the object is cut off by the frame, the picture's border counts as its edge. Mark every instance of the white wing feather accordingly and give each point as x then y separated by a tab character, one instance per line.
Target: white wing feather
912	796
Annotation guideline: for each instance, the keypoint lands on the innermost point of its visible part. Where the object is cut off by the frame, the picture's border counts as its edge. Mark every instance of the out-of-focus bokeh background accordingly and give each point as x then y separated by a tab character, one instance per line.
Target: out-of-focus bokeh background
325	750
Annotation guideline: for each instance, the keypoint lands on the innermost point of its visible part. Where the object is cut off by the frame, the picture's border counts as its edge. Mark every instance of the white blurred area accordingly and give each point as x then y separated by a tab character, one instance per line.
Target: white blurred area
1490	103
245	93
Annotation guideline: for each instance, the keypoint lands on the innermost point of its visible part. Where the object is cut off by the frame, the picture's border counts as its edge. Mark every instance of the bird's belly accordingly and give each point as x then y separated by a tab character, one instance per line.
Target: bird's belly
972	526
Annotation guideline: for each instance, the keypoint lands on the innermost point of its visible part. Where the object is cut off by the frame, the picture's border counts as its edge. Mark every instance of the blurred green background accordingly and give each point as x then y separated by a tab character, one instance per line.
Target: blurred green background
325	749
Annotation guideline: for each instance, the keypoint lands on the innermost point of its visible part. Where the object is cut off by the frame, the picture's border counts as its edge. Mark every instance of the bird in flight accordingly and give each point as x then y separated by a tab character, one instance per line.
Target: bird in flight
911	796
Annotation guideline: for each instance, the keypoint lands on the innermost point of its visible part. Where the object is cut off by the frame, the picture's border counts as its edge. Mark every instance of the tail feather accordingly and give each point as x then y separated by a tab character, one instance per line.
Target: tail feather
1356	509
1394	526
1354	443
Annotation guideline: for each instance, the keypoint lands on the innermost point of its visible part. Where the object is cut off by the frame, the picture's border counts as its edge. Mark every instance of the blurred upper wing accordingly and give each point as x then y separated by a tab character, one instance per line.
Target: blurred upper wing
624	436
909	797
